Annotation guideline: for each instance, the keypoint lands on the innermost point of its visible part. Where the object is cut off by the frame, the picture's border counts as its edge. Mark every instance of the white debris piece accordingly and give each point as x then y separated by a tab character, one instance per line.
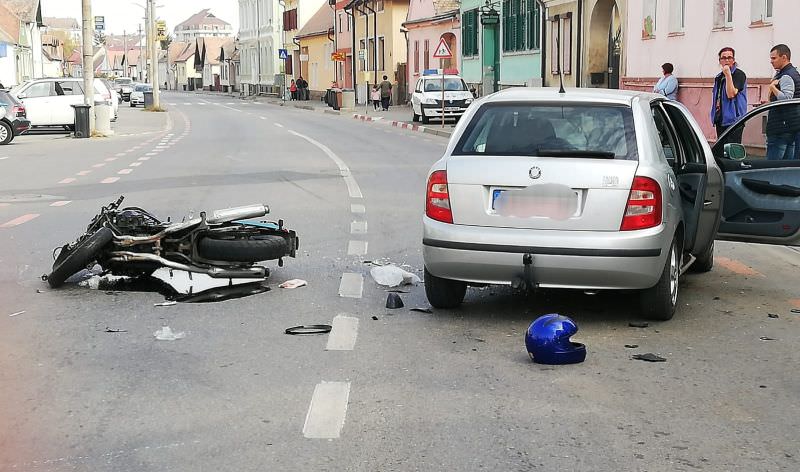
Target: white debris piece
393	276
294	283
107	280
166	334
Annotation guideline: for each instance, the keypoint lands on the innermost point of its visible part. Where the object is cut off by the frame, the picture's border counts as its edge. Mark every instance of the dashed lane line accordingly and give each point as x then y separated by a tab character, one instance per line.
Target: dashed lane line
358	227
278	125
19	220
358	209
99	165
110	159
357	248
344	332
109	180
328	410
145	158
84	173
61	203
68	180
134	164
351	285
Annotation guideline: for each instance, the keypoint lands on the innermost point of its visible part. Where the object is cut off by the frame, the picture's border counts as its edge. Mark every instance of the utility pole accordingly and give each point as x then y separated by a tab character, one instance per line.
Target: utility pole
149	34
125	48
88	61
154	54
140	69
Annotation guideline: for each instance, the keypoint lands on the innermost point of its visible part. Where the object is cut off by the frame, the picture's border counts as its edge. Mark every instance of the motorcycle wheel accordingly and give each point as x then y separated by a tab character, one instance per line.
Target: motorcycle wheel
264	248
79	257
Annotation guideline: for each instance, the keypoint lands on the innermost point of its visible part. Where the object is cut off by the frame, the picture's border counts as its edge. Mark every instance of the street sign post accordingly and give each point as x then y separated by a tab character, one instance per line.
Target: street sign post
99	23
442	52
283	54
161	30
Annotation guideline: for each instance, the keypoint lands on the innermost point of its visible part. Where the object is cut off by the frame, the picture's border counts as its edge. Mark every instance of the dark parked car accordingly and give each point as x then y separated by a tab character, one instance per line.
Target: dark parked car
13	120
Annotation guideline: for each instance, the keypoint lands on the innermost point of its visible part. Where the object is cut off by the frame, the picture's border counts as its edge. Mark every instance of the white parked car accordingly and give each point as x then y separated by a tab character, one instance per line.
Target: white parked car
48	101
137	96
426	101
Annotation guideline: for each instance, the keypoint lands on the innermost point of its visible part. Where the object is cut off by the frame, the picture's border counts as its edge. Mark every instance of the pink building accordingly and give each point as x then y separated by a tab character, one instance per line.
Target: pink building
343	26
428	21
690	33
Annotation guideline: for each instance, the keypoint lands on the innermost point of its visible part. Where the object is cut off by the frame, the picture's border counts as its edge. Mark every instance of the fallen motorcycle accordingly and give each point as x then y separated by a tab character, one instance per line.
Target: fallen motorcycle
132	242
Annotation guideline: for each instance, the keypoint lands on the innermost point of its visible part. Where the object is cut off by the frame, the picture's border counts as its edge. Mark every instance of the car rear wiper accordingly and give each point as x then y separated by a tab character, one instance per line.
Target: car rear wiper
575	153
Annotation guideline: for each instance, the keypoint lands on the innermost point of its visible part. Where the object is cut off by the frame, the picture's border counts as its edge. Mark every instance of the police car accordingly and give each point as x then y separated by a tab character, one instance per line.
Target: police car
426	102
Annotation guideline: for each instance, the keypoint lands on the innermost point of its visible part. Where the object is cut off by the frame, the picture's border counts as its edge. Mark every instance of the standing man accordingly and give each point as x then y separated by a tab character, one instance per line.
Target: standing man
668	84
386	93
729	99
783	125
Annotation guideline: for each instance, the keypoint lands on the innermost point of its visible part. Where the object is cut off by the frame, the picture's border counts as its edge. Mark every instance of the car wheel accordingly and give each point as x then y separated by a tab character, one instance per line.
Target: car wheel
425	119
6	133
133	105
415	118
705	261
659	302
444	293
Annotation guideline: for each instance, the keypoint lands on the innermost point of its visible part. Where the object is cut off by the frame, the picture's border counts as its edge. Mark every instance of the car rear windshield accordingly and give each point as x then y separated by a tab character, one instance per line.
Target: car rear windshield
7	100
450	85
541	129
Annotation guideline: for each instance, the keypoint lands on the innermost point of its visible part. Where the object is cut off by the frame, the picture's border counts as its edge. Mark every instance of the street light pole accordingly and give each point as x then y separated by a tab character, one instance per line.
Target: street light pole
88	61
154	54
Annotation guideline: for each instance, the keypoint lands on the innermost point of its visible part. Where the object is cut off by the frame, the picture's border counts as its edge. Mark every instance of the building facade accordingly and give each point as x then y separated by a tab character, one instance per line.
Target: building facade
427	23
343	35
21	55
202	24
316	47
260	37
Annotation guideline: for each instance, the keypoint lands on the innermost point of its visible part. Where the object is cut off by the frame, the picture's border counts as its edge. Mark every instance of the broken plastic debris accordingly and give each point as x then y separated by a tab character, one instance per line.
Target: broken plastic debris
773	315
649	357
631	346
112	330
767	338
393	276
394	301
294	283
95	282
17	313
167	303
84	274
422	310
309	329
166	334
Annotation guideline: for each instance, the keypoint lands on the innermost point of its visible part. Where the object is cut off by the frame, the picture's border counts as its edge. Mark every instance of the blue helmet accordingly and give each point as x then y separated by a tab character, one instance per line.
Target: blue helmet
547	341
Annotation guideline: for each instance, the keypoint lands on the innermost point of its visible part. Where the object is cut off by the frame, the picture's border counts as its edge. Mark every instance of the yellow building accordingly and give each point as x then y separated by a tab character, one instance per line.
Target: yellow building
380	45
316	47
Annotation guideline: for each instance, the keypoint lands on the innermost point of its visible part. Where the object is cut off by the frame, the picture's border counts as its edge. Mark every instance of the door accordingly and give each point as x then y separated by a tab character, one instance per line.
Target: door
37	99
491	58
762	196
416	97
67	93
699	184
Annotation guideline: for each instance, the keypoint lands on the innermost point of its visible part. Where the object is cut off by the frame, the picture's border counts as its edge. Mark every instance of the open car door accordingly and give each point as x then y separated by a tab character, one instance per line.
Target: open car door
762	192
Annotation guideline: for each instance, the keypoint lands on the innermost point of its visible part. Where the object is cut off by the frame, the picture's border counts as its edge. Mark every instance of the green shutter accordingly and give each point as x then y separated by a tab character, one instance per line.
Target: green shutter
534	25
475	35
465	33
469	33
506	25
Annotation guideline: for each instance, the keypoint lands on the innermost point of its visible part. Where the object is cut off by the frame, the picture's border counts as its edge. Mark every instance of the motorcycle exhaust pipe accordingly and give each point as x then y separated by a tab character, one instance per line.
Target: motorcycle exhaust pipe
215	272
239	213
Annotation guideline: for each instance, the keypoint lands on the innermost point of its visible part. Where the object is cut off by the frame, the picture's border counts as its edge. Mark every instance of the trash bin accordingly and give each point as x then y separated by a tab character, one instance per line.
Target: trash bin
328	98
348	99
337	99
82	121
148	99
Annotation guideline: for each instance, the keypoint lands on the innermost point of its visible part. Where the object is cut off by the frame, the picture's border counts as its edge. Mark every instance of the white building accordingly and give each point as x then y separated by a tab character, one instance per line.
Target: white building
70	27
21	55
202	24
260	37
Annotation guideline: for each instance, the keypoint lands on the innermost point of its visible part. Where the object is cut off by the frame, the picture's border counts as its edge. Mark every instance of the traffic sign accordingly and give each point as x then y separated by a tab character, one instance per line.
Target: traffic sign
282	54
99	19
161	30
442	50
338	57
361	54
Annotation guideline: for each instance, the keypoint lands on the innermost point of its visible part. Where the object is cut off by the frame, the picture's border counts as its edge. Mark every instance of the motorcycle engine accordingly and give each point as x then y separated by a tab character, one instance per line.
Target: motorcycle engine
135	221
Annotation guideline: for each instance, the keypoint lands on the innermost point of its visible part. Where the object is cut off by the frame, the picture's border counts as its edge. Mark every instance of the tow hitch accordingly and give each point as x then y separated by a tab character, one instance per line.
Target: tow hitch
526	282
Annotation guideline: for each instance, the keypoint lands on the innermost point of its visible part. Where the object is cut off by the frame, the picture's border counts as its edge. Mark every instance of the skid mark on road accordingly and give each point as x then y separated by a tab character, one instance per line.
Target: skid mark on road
737	267
19	220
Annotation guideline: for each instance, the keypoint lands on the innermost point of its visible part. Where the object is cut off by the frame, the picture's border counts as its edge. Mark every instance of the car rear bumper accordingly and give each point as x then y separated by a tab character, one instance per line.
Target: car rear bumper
587	260
20	126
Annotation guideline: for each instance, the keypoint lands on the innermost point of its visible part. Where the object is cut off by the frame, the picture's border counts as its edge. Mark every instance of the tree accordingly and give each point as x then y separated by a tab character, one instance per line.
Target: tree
166	42
99	37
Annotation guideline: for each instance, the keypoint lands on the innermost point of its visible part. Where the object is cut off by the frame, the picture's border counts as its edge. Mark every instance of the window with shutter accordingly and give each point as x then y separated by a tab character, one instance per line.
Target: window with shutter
519	40
534	25
506	25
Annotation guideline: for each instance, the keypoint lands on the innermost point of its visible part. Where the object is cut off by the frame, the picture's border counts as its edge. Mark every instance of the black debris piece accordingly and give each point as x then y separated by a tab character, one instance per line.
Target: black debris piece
767	338
762	386
394	301
480	340
111	330
773	315
423	310
375	318
631	346
649	357
716	298
638	324
795	310
397	290
308	329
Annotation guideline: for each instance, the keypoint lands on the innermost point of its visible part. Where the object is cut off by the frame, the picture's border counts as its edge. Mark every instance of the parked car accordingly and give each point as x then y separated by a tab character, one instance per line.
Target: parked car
48	101
426	101
124	86
113	97
13	120
137	96
598	189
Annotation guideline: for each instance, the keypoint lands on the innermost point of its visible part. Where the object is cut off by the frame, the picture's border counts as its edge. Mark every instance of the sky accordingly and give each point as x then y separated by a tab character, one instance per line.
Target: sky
125	15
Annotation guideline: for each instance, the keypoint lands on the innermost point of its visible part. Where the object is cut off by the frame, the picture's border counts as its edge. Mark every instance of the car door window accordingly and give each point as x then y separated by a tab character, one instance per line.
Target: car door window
68	88
764	132
687	138
666	136
39	90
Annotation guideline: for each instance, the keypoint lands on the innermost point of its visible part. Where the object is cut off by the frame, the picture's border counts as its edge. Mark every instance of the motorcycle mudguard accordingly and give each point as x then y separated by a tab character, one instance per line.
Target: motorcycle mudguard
257	224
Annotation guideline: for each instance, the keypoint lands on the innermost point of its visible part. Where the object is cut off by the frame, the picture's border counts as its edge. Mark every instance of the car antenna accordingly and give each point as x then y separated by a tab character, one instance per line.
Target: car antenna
558	60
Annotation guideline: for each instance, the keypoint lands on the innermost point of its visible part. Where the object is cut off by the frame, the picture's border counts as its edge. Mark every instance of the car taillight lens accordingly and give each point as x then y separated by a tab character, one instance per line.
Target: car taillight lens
18	111
437	200
644	205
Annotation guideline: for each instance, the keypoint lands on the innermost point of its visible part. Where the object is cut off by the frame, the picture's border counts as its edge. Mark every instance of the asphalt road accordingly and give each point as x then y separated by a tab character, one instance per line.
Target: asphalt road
404	390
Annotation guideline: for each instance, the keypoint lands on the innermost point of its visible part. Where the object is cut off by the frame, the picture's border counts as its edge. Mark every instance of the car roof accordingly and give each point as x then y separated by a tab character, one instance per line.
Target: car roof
439	77
586	95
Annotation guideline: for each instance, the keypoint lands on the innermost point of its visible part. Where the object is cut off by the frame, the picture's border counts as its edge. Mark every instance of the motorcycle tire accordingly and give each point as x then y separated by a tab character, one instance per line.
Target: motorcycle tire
79	257
264	248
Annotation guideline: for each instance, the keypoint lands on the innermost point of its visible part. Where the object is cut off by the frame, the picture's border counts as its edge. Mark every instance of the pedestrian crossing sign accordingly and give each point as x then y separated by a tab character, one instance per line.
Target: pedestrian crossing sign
442	50
282	54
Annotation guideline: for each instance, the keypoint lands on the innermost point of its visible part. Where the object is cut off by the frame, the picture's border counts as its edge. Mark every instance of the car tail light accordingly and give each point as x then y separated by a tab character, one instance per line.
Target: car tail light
18	111
437	200
644	205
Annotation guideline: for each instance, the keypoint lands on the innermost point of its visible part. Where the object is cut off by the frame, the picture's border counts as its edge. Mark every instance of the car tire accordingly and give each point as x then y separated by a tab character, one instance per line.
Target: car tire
659	301
6	133
705	261
415	118
133	105
444	293
425	119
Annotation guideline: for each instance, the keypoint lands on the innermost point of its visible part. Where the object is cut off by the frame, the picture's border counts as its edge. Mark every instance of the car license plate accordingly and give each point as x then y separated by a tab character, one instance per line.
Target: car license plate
577	202
452	109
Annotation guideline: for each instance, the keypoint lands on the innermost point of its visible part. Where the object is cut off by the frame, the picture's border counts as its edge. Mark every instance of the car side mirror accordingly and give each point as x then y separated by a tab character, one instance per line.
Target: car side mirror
735	151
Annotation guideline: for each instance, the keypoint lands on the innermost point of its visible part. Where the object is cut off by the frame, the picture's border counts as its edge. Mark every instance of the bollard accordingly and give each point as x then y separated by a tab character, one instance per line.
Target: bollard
102	116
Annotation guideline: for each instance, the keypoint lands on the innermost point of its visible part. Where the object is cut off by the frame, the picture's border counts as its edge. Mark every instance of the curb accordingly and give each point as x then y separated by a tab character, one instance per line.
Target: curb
409	126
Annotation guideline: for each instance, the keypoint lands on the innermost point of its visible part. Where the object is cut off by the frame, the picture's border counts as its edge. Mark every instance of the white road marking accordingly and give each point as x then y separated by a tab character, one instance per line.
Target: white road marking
110	159
109	180
230	103
358	209
3	158
84	172
357	248
358	227
143	159
343	334
134	164
125	171
351	286
151	154
20	220
278	125
187	103
327	412
263	117
61	203
99	165
121	154
352	185
68	180
200	103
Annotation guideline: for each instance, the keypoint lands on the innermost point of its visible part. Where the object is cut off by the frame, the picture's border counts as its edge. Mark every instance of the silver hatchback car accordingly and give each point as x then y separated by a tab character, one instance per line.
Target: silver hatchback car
598	189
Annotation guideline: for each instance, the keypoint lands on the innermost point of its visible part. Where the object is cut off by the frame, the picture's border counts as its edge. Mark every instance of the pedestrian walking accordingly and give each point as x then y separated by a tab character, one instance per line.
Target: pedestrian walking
729	96
386	93
293	90
668	84
302	88
783	124
376	97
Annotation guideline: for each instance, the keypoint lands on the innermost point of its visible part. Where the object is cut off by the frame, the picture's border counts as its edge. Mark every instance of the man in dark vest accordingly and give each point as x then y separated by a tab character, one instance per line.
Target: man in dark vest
783	124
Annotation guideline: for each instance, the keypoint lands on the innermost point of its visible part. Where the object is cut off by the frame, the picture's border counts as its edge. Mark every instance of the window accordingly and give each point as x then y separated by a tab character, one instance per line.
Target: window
42	89
290	20
68	88
723	13
381	57
521	22
534	25
566	46
665	135
363	56
416	56
378	5
427	57
371	53
469	32
692	149
760	12
649	19
677	16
